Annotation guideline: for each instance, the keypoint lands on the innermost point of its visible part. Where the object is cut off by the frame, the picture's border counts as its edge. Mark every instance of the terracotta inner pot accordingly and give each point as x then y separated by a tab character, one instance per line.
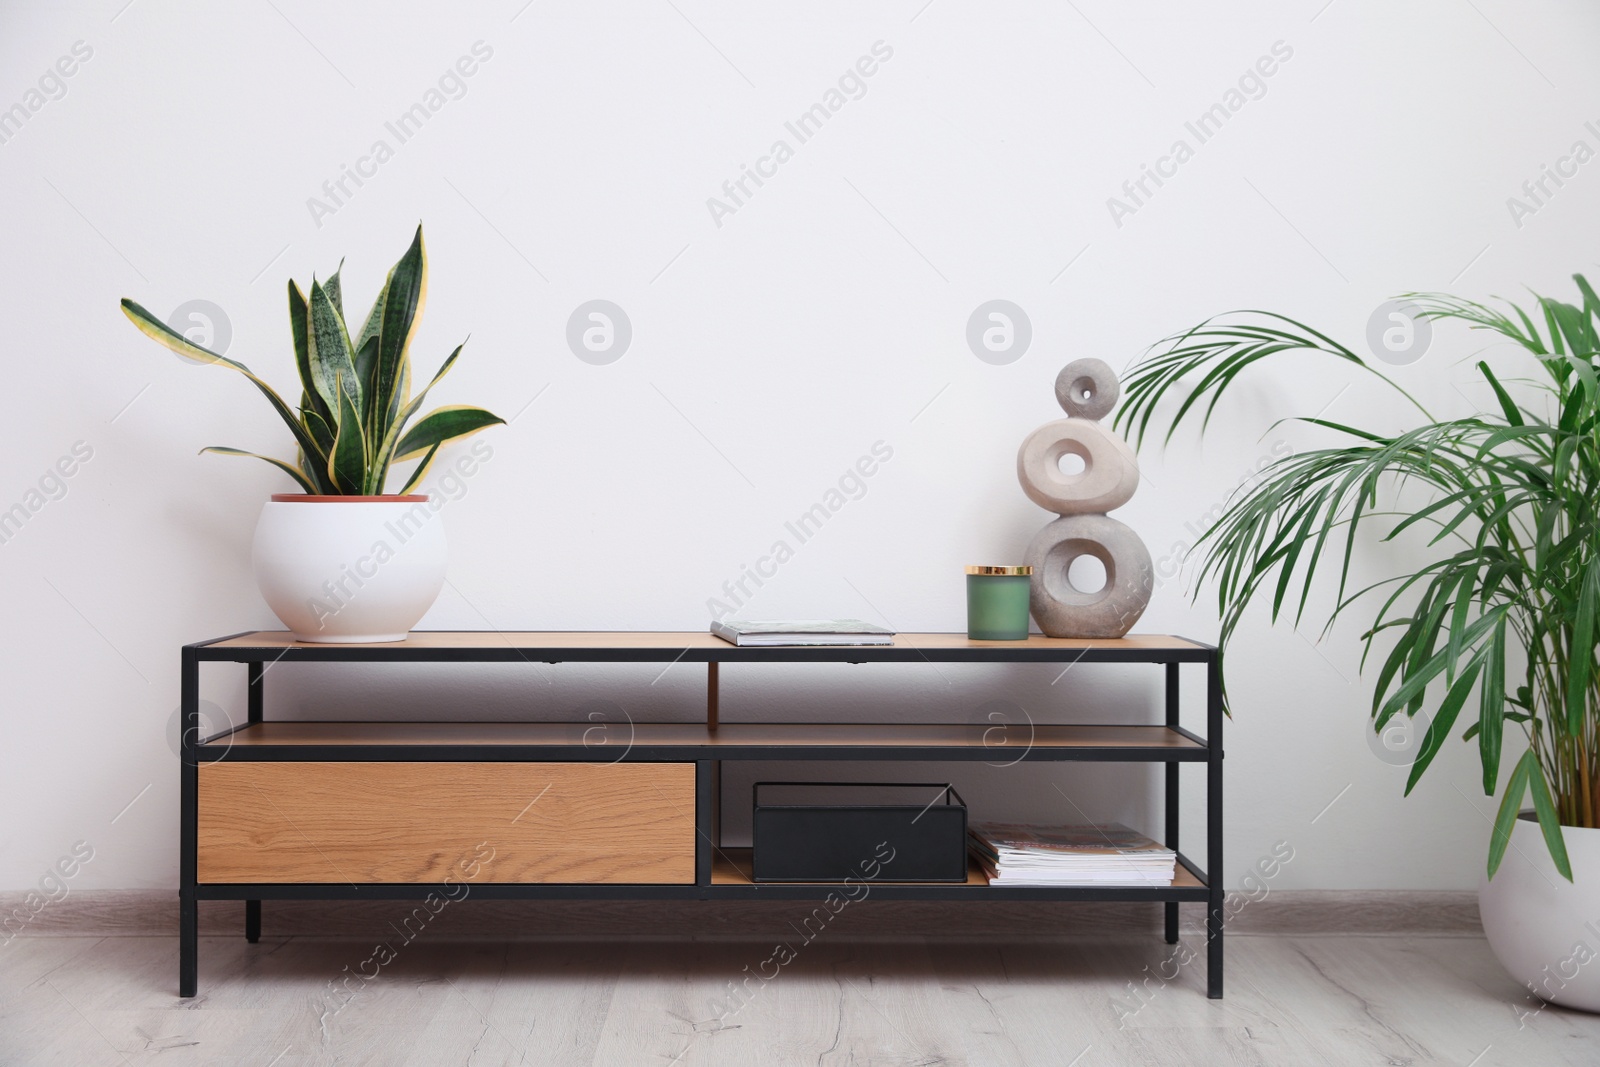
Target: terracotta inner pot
309	498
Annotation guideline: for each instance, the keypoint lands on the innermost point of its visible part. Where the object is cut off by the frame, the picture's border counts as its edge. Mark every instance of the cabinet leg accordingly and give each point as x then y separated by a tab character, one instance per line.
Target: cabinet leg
1170	791
188	822
188	948
252	921
1214	948
1215	869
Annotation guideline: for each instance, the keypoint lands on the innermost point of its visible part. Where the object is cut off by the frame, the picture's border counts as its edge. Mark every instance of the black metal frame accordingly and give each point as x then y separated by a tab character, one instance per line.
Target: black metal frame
707	759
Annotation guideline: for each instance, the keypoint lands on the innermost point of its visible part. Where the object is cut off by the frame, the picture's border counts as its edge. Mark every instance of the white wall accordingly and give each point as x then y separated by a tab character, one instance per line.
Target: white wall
827	313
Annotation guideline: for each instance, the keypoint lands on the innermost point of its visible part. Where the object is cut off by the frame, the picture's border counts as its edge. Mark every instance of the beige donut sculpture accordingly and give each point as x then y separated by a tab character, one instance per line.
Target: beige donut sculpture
1087	390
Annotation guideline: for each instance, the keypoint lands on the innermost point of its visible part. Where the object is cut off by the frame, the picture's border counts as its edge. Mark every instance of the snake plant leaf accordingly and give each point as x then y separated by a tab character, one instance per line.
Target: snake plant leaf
331	357
444	368
405	293
299	478
366	360
367	345
320	428
369	329
335	290
444	424
347	462
300	328
355	399
159	331
421	471
386	447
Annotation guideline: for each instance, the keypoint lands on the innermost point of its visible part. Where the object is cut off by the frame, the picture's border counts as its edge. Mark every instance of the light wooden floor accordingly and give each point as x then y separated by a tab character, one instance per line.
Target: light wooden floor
1291	1001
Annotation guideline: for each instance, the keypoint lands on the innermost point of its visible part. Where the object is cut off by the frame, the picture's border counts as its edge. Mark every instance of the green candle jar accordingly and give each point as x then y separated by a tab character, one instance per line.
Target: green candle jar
997	603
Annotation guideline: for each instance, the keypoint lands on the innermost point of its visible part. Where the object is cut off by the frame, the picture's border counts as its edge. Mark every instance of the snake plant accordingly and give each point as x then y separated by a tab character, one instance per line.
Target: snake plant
1507	497
355	396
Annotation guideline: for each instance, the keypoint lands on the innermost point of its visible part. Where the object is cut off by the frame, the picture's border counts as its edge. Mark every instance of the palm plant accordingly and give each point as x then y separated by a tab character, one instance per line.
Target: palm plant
355	398
1509	501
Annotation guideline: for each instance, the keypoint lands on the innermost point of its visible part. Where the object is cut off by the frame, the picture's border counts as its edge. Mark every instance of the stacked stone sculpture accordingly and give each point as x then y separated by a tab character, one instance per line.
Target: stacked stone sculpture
1087	390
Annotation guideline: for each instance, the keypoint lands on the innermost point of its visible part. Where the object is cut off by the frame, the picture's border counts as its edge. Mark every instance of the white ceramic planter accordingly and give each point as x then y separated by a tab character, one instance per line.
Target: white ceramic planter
349	569
1545	930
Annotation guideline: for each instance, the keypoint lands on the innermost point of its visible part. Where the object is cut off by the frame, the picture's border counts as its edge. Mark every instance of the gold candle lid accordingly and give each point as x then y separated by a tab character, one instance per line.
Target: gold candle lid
1008	571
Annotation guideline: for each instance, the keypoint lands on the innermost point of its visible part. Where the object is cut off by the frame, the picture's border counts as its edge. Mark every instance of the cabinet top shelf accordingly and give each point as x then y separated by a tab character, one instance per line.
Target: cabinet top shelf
667	646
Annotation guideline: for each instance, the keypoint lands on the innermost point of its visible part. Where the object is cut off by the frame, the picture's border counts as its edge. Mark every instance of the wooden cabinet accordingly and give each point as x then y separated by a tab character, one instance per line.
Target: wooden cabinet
295	810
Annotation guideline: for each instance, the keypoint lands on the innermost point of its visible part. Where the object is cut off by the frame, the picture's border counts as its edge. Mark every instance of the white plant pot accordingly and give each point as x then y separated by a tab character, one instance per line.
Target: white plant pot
1545	930
349	569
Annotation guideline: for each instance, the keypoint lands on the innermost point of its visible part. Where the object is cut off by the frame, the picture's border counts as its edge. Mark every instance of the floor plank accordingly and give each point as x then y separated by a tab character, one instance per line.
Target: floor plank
830	1001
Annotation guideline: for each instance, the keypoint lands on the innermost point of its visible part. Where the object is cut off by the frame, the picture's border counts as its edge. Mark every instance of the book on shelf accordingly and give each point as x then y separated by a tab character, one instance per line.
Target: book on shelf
802	632
1108	854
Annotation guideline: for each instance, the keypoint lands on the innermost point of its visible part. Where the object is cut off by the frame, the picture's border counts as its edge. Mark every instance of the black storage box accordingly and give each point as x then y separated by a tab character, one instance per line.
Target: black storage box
874	832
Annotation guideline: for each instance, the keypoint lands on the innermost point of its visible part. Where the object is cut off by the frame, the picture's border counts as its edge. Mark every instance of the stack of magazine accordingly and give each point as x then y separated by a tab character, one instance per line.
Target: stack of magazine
1112	854
806	632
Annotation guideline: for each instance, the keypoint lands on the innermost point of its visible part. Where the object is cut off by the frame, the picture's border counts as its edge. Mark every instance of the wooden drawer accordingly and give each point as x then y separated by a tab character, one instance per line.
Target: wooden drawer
419	822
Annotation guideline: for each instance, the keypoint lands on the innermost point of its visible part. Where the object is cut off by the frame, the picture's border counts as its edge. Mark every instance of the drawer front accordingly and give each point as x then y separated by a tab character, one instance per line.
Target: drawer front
421	822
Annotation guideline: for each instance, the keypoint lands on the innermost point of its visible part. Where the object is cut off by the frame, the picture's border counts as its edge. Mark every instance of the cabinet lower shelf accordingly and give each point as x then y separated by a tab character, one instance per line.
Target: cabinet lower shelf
730	880
730	873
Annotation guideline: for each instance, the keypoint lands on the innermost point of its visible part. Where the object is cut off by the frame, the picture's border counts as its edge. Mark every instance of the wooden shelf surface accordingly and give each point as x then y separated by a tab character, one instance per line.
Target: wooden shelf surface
777	736
731	866
670	639
443	646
